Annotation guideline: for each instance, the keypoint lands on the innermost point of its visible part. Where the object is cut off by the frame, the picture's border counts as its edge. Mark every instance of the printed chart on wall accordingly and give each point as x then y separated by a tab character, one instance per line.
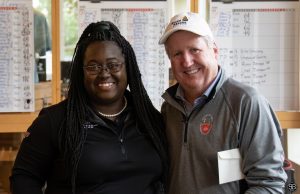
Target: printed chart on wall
259	45
16	56
141	22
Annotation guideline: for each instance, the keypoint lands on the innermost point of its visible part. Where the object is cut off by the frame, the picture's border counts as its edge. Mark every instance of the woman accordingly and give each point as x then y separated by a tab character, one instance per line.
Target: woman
102	138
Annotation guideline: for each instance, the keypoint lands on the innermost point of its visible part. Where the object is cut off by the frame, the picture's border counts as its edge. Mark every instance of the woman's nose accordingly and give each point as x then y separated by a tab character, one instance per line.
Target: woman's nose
104	72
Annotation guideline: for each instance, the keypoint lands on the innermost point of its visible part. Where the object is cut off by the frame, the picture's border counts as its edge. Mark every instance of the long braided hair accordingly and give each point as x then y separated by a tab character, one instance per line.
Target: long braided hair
73	134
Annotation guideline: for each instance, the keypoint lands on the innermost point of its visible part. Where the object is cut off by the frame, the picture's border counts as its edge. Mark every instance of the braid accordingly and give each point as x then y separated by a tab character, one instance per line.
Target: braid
72	134
148	116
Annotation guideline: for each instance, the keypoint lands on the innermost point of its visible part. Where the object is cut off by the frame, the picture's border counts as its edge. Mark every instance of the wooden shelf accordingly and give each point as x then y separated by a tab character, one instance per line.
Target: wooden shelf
19	122
8	155
16	122
289	119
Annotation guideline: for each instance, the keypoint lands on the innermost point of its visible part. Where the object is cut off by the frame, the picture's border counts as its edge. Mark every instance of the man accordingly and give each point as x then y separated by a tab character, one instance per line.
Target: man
207	112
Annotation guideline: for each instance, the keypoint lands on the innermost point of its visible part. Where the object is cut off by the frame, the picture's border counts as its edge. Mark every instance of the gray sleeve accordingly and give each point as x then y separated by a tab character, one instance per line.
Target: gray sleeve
260	147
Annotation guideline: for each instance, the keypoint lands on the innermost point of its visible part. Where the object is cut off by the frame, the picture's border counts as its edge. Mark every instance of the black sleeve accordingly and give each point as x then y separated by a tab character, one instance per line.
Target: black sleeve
35	158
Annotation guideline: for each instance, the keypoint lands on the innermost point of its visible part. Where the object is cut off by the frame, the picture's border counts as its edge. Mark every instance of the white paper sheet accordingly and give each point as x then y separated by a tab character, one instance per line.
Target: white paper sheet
229	163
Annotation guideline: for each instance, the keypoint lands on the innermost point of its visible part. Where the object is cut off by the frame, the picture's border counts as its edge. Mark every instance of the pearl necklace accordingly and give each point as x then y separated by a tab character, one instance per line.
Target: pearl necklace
116	114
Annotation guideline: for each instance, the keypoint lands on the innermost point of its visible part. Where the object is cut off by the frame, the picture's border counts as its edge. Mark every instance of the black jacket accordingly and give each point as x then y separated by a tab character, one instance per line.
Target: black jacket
116	158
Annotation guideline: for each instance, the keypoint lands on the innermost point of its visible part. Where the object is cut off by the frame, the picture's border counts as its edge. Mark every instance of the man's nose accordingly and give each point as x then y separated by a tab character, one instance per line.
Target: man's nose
188	60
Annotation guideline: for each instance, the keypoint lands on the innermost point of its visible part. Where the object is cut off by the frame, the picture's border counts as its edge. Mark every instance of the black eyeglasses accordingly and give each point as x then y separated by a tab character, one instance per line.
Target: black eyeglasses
111	67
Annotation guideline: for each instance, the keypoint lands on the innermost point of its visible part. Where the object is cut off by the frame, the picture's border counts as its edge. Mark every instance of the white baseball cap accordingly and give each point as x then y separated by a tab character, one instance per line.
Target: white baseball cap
187	21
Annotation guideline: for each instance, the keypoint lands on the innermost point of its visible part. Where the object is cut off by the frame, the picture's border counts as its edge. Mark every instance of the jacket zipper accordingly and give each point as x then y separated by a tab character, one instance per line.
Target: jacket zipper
186	123
121	140
122	146
185	118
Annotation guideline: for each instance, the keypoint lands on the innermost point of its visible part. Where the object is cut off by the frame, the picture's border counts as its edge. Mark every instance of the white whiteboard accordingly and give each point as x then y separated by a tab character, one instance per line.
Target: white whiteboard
142	23
16	56
259	46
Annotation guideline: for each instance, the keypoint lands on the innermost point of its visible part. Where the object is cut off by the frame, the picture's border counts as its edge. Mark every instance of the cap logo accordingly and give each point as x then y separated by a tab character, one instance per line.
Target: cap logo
180	21
206	124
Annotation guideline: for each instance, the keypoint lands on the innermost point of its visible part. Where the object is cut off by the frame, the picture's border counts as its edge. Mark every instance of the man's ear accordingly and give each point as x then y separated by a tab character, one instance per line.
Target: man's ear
216	50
